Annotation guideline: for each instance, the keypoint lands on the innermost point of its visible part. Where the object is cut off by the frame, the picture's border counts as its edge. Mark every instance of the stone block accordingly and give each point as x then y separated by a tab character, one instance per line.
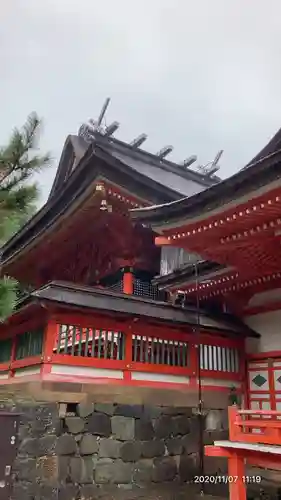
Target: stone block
106	408
81	470
151	449
165	469
213	420
188	468
151	412
46	419
215	465
180	425
117	472
89	492
99	424
134	411
66	445
44	491
47	470
144	429
23	491
68	492
163	427
84	409
75	425
109	448
25	469
210	437
47	444
131	451
143	471
24	431
29	447
123	428
190	443
63	468
174	446
89	444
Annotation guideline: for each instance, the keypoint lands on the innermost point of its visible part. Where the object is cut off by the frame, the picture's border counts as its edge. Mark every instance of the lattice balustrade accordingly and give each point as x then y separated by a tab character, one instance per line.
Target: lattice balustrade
90	342
128	350
159	351
219	358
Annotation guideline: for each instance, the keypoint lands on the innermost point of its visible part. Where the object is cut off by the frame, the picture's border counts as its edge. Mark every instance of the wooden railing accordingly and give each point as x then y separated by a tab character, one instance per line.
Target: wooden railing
254	440
254	426
130	347
158	351
89	342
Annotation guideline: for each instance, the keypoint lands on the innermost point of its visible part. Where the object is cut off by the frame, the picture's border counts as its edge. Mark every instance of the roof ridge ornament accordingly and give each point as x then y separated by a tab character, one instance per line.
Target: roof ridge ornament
211	167
138	141
91	128
165	151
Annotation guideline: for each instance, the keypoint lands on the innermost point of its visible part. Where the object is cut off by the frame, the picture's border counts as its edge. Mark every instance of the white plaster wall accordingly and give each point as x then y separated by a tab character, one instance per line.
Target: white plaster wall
268	325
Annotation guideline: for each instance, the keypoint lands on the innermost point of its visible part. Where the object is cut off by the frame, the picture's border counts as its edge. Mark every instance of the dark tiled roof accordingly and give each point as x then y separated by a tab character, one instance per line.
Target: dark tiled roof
257	175
177	178
175	181
81	164
74	295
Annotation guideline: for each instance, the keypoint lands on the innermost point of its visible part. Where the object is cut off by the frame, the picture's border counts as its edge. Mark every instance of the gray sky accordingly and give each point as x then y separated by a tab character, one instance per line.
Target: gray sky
202	75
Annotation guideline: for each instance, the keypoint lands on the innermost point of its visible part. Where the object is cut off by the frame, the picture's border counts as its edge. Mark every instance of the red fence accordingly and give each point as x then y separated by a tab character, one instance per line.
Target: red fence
132	347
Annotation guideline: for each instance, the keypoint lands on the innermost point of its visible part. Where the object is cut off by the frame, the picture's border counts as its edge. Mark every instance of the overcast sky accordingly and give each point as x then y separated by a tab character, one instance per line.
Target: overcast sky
202	75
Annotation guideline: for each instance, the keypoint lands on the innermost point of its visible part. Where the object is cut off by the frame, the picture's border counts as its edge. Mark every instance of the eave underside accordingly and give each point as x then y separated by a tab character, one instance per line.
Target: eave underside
95	166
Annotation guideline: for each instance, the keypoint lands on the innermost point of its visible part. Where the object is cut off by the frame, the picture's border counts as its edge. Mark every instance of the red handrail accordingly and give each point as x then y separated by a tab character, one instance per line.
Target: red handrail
254	430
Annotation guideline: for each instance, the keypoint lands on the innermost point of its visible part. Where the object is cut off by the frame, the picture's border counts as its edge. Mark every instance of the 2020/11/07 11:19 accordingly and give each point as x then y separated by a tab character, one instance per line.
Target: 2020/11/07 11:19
227	479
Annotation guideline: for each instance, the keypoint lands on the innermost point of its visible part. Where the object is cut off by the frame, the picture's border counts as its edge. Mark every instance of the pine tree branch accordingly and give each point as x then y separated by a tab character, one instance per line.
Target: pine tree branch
19	160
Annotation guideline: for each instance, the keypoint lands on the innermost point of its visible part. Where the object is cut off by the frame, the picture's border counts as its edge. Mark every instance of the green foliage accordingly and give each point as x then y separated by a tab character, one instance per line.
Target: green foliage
8	296
19	160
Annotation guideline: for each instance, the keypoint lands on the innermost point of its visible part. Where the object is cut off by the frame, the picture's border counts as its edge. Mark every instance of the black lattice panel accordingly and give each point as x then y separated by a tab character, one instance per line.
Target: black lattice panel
147	290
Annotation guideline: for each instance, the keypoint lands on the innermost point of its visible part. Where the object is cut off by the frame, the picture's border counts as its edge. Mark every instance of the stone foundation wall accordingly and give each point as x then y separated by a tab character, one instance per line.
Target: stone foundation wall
91	451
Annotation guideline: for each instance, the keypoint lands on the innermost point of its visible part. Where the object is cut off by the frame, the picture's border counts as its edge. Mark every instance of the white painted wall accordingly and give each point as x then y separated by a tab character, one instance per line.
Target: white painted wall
269	326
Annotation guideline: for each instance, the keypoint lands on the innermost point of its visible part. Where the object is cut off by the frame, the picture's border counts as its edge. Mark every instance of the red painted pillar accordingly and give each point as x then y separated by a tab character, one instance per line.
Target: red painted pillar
13	355
236	475
128	281
50	337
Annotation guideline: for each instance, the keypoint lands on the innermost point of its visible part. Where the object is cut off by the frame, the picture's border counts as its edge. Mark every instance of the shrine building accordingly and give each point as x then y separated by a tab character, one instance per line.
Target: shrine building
89	309
234	226
149	301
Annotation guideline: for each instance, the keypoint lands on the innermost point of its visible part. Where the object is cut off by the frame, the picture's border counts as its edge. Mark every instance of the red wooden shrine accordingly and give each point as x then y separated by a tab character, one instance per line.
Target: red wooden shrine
98	309
234	226
91	312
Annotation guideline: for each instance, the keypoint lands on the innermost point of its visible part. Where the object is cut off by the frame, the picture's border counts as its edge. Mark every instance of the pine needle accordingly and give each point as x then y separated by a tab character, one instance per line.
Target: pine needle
19	161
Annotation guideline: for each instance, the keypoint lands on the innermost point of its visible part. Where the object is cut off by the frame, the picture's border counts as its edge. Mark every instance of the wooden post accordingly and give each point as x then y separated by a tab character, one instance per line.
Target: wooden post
232	418
128	353
193	359
50	335
236	477
128	281
13	355
49	339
